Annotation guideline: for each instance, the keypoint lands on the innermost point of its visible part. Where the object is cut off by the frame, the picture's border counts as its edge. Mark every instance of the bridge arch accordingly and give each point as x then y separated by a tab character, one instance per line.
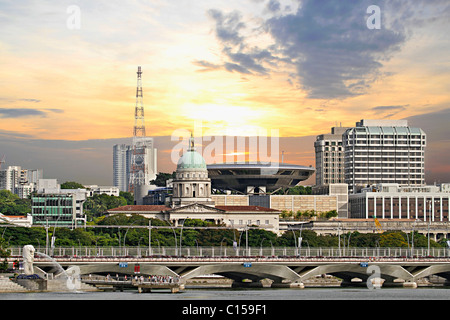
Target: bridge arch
238	272
350	271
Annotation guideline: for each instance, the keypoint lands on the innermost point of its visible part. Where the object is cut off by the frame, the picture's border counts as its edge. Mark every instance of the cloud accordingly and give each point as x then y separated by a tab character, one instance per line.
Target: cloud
273	6
384	108
207	66
334	52
7	113
20	113
228	26
327	43
393	110
238	55
30	100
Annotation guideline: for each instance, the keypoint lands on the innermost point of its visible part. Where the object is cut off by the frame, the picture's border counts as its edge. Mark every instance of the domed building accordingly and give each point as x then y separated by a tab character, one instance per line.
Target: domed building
191	199
191	183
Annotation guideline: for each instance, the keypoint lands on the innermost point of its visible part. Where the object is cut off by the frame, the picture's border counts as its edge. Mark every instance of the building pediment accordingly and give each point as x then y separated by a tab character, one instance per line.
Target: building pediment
197	208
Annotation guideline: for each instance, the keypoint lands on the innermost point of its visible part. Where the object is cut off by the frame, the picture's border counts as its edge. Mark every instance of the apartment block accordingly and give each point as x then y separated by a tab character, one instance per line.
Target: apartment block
383	151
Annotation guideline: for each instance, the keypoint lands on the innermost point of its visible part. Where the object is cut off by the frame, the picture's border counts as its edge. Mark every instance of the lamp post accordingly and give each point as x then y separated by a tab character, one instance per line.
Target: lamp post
181	233
150	237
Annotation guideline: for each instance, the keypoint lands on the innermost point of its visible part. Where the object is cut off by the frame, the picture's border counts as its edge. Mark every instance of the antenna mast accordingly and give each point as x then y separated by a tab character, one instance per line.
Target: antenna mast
138	165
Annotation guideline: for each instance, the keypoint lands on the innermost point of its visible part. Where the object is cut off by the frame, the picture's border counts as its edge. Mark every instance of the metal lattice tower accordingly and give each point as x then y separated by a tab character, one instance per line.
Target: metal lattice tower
138	165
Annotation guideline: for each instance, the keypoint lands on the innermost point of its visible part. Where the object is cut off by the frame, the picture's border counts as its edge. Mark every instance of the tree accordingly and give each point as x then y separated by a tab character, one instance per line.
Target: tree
393	239
299	190
128	196
71	185
161	179
329	214
11	204
98	204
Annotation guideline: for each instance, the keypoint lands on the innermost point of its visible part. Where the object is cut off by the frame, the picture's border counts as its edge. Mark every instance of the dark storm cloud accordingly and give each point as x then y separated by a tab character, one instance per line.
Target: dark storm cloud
334	52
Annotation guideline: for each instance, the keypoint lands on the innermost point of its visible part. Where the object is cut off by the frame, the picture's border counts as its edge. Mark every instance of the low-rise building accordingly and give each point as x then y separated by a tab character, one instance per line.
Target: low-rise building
392	201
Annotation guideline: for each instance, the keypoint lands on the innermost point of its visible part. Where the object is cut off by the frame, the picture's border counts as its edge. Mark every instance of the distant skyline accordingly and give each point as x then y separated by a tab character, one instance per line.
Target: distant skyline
68	74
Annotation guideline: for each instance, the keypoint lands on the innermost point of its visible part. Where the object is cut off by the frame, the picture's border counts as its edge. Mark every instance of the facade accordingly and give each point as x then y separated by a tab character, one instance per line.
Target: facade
329	152
60	209
294	203
384	151
238	217
122	164
51	205
191	183
19	181
110	191
340	190
393	201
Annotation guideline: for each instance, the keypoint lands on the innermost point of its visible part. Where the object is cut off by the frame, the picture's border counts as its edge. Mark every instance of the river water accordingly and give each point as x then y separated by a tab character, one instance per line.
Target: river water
247	294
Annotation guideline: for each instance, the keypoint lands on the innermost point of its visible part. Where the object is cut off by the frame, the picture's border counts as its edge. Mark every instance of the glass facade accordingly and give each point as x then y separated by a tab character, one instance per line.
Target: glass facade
54	209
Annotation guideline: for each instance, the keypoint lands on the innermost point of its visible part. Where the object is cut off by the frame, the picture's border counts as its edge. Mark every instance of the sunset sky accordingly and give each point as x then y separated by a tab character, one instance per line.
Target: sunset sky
299	67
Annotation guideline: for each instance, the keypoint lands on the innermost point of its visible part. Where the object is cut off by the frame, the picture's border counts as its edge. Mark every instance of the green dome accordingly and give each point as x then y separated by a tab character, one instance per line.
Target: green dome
191	159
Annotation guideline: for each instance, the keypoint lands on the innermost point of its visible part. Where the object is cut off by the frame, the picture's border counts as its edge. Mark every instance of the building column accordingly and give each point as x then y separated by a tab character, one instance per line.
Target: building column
432	208
367	206
407	207
375	206
424	209
392	208
417	208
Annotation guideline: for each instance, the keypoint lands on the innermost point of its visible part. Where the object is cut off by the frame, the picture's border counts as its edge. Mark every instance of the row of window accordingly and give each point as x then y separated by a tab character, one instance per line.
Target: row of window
249	222
51	211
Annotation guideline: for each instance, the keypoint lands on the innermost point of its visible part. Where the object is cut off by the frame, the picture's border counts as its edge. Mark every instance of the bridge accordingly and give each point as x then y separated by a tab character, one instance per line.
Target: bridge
286	267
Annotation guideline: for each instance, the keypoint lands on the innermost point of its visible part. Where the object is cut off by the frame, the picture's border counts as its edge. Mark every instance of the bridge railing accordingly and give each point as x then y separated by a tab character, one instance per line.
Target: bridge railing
223	251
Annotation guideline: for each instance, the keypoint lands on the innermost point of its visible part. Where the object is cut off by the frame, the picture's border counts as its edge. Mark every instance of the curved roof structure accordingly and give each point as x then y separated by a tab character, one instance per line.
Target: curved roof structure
239	176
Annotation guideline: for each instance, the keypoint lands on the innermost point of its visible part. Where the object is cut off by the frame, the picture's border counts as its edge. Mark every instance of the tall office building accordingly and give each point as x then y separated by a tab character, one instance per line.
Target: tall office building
122	156
384	151
121	166
330	157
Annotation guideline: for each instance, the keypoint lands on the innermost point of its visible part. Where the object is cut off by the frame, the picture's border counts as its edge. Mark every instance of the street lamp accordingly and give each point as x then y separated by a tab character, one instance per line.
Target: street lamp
429	221
175	235
181	233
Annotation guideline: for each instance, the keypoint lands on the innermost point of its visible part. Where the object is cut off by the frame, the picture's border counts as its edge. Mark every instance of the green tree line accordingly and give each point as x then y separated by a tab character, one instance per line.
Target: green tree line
123	236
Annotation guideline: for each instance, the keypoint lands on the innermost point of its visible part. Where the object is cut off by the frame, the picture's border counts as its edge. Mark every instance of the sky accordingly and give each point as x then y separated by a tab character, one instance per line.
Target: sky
289	68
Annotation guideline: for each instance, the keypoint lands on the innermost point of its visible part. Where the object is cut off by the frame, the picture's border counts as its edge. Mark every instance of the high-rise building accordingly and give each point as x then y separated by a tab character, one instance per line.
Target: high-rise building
122	164
330	157
384	151
19	181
